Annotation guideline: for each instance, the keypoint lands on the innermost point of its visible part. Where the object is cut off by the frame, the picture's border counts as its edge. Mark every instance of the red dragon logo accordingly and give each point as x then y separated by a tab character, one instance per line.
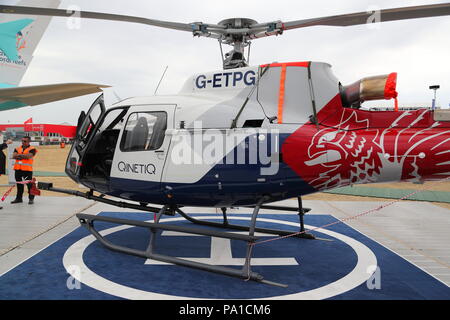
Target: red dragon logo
357	146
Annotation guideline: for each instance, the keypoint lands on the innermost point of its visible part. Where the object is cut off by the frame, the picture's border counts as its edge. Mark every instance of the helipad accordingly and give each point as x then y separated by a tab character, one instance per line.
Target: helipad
379	256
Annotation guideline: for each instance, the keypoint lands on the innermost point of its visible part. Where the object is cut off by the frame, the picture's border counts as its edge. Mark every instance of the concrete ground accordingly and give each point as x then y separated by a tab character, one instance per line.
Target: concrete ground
27	229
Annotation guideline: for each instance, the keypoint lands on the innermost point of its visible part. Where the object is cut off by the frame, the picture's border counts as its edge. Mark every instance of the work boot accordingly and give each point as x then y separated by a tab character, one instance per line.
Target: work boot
31	201
17	201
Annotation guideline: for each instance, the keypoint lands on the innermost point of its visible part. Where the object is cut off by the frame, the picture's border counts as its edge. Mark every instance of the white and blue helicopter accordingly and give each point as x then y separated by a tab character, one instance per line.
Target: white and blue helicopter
248	136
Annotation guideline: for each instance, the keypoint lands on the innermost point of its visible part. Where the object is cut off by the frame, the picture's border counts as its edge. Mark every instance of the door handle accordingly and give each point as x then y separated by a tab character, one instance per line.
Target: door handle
159	151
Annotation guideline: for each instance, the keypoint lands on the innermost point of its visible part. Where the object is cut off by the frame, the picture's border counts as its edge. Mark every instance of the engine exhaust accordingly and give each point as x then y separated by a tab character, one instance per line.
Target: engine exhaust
370	88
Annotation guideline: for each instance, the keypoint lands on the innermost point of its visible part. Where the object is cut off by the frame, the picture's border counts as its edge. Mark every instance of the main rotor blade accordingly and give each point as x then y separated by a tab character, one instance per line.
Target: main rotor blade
352	19
94	15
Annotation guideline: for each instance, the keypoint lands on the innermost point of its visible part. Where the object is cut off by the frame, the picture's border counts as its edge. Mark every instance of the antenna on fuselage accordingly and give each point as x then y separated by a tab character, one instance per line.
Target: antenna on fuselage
162	77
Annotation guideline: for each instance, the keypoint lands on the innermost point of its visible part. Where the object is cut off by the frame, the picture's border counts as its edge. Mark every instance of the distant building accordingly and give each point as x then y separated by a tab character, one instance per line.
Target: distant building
407	106
43	133
400	108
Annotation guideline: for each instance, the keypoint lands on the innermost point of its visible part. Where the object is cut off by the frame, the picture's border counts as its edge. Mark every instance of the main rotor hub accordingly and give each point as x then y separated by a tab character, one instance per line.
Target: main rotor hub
236	30
237	23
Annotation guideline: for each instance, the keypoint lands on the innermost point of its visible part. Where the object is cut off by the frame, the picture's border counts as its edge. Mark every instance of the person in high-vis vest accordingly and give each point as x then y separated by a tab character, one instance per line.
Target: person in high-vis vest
23	168
3	158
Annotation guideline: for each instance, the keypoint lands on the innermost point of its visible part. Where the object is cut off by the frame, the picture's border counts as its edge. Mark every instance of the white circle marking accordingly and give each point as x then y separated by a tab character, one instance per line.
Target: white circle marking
74	256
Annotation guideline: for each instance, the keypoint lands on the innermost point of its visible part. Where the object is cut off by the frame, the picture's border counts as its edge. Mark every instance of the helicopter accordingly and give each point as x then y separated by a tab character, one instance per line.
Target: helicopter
247	136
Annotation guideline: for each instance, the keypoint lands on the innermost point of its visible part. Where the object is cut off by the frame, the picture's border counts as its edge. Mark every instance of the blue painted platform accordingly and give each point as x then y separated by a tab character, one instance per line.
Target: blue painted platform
321	266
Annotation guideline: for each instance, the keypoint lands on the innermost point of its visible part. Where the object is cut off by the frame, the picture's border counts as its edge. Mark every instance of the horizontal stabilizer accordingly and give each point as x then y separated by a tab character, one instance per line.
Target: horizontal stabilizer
34	95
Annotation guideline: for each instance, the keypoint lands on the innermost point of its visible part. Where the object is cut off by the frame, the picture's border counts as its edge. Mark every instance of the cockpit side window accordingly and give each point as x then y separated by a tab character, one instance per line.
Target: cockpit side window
144	131
114	119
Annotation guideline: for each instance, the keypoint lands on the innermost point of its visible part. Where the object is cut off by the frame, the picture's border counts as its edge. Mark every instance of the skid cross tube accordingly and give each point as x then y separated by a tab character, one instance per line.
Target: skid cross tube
301	212
232	226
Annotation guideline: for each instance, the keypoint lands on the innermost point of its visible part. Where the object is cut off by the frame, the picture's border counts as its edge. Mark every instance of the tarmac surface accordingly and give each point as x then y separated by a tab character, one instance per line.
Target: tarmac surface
404	234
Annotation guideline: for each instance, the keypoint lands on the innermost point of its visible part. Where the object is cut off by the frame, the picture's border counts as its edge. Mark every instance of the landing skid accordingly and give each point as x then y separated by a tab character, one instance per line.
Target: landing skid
301	212
245	272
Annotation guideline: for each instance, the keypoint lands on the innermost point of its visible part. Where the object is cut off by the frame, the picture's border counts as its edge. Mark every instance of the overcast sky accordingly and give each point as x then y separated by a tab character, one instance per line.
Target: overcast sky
132	57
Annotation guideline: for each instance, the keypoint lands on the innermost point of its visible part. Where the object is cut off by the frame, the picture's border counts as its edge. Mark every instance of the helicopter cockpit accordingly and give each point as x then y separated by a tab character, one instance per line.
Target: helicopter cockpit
112	141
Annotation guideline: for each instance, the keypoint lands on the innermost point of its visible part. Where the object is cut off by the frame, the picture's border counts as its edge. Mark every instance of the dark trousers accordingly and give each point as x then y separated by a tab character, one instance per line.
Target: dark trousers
21	176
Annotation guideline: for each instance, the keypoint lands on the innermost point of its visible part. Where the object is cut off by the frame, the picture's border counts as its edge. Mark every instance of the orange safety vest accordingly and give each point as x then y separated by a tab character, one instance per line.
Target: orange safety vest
24	164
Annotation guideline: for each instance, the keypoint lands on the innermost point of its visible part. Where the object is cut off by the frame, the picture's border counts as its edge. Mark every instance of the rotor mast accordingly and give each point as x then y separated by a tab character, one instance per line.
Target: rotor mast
236	38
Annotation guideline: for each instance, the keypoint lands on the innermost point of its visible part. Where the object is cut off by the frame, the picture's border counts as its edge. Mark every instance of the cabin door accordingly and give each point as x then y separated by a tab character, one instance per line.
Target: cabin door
143	146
